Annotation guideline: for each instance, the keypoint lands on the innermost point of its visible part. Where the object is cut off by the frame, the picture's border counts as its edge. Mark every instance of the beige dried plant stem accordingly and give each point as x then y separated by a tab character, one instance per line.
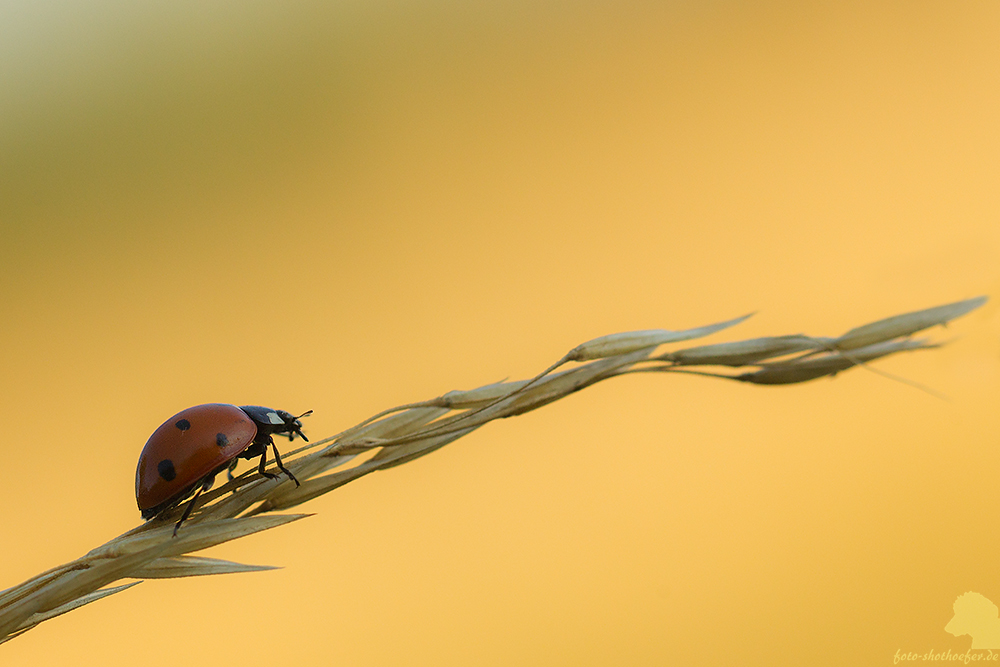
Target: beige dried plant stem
248	504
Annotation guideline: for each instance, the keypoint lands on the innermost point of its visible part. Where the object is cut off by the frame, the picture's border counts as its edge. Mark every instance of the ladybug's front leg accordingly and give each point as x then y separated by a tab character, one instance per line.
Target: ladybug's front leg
277	459
263	460
281	467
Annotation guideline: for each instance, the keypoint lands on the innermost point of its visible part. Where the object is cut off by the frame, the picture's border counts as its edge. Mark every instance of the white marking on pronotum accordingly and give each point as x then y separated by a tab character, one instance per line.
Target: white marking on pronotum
274	418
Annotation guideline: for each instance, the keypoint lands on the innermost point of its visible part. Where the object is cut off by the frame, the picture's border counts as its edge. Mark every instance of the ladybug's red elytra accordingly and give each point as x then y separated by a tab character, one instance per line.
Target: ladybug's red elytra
188	450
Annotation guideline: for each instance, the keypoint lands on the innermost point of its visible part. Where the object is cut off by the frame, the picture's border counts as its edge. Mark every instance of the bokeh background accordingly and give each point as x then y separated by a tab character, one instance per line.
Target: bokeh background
348	206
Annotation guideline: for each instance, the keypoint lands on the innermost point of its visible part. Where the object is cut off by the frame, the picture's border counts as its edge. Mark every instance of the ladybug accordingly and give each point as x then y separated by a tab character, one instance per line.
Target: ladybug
188	450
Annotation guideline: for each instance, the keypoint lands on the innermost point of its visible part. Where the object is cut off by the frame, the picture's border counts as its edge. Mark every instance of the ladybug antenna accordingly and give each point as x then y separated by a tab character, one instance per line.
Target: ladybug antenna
296	428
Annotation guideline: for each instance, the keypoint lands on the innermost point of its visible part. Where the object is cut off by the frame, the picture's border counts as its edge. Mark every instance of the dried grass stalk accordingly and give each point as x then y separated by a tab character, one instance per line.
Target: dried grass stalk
247	504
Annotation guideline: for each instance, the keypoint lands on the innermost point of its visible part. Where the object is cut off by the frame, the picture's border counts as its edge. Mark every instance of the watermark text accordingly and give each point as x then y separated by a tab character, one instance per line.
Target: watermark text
969	657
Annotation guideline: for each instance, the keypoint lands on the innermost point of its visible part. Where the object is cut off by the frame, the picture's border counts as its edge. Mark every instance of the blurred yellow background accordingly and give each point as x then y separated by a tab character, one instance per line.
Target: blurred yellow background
348	207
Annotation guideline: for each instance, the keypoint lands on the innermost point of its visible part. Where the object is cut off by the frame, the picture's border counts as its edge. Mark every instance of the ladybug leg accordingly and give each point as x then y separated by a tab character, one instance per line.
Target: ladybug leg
281	466
263	462
277	459
229	470
205	486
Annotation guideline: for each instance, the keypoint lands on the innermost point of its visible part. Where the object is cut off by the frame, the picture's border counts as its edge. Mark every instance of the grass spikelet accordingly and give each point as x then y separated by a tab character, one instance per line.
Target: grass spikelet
745	352
630	341
790	372
247	504
193	566
905	324
35	619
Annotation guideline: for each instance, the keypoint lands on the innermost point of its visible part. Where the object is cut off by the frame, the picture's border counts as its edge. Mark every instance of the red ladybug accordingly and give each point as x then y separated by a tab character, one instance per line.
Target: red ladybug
188	450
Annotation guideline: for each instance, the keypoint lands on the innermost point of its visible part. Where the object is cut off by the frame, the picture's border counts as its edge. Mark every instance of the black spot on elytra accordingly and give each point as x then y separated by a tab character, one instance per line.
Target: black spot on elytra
183	424
221	440
166	470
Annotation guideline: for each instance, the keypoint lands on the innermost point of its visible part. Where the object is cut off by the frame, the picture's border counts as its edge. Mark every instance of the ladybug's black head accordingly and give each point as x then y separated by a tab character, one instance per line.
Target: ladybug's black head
270	421
292	427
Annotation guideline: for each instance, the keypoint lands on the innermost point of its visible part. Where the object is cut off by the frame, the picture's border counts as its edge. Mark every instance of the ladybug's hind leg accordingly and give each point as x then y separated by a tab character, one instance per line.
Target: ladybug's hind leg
205	486
231	468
